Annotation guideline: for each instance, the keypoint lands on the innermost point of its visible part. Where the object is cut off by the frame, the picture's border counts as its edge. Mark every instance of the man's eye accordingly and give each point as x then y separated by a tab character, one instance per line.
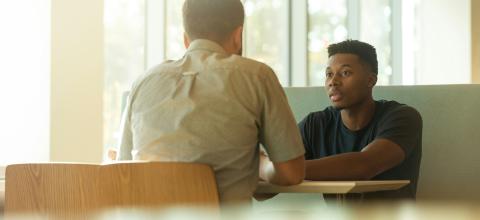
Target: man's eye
346	73
328	75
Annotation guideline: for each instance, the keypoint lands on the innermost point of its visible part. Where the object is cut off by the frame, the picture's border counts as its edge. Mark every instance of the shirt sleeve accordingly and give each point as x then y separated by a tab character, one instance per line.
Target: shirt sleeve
126	142
402	126
279	133
305	127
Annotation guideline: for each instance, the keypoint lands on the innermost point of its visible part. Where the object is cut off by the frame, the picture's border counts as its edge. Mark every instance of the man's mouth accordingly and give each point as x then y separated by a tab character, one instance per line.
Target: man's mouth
335	96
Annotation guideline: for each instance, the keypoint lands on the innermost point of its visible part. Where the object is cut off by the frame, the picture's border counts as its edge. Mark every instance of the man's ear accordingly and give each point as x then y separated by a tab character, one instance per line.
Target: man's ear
372	80
238	39
186	41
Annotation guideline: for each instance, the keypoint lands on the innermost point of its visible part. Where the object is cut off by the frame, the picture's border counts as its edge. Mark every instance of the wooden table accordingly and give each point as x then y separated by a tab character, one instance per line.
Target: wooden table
333	187
340	188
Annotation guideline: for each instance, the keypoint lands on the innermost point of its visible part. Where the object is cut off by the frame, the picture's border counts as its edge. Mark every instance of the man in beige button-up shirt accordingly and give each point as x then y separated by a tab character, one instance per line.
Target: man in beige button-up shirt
215	107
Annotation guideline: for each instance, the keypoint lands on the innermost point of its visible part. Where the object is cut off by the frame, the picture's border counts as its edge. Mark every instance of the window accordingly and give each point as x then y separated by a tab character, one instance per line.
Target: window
327	24
266	34
333	21
376	29
124	22
174	30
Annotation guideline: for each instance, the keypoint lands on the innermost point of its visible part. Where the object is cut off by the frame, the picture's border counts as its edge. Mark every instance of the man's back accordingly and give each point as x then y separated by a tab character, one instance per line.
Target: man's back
210	107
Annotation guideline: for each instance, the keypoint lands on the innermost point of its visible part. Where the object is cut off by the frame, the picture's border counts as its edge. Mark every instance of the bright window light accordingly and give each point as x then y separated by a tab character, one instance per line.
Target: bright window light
25	80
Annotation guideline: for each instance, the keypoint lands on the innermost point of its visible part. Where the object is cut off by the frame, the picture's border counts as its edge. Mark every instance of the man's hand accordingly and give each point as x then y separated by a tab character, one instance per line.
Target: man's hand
264	162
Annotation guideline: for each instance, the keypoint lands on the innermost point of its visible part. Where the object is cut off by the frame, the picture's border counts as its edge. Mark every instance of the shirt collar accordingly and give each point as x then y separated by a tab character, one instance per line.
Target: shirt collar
203	44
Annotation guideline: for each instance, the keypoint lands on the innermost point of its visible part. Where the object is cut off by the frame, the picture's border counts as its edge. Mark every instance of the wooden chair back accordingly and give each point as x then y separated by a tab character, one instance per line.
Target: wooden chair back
64	190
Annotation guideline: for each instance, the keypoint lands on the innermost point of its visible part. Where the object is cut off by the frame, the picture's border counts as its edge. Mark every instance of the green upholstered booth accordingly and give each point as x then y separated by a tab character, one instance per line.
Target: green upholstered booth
450	167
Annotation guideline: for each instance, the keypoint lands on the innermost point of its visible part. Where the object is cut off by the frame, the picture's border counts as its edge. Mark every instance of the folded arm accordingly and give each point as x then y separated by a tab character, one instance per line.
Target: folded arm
375	158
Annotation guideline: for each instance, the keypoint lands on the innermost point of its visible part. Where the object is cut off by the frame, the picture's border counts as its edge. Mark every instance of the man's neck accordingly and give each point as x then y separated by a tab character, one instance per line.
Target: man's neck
358	116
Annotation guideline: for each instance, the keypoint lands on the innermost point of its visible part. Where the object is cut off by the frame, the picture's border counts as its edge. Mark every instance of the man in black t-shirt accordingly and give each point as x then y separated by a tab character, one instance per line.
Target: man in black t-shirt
358	138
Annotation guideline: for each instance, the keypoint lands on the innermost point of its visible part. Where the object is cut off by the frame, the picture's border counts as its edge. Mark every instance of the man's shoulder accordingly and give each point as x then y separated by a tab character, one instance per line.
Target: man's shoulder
393	109
249	65
324	115
166	66
227	62
146	77
246	60
394	106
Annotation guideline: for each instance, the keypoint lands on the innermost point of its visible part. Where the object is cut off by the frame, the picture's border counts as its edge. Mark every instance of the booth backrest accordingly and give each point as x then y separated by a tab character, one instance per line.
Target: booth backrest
450	167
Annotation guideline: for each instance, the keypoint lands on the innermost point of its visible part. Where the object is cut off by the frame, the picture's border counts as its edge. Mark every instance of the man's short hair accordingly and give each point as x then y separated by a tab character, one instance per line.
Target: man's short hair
212	19
364	51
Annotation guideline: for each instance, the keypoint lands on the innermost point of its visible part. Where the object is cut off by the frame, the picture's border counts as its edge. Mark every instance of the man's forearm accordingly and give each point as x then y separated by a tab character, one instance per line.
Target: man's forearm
269	174
375	158
285	174
347	166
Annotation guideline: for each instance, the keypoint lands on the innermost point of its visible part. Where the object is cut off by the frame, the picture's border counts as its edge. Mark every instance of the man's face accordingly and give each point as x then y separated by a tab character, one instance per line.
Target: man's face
348	81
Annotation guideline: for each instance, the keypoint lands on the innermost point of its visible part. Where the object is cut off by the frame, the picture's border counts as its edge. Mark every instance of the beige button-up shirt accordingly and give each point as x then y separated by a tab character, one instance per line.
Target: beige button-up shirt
214	108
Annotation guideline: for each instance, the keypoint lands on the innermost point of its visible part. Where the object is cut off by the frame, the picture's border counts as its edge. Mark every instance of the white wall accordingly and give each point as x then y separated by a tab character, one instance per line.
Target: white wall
24	80
445	42
77	81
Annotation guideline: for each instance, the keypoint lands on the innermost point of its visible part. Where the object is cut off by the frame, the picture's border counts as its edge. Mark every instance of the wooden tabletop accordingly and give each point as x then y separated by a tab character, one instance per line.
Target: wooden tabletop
333	187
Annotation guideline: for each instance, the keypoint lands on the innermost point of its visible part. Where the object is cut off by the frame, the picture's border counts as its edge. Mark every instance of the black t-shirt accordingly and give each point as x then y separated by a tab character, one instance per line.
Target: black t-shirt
324	134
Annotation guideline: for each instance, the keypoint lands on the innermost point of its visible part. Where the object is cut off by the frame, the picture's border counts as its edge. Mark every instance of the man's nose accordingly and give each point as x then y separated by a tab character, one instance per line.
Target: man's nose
334	81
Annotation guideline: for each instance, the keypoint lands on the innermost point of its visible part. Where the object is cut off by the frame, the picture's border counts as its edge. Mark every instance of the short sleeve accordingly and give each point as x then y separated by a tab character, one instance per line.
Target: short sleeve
279	133
307	127
403	126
